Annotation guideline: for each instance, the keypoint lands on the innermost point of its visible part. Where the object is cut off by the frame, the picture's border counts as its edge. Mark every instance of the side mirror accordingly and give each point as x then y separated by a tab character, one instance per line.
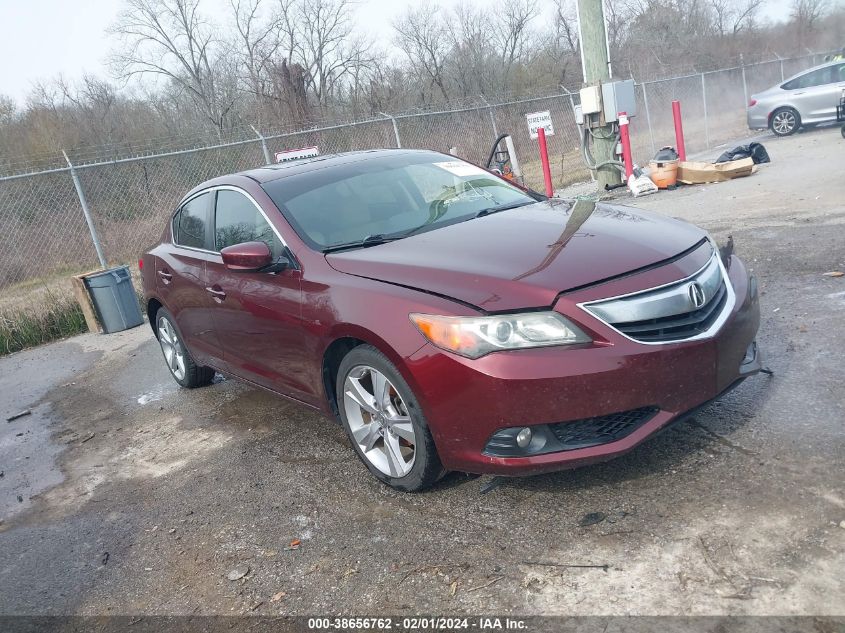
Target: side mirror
247	257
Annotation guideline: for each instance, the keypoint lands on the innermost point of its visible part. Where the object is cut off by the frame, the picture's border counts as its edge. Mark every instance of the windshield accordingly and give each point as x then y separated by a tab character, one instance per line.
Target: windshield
387	197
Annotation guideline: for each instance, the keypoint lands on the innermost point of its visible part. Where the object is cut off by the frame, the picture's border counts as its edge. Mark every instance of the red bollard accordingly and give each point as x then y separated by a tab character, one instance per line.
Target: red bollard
679	130
544	158
625	139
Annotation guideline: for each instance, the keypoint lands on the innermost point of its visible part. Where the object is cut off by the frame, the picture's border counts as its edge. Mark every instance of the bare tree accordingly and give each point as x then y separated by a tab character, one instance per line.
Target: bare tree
421	35
258	38
512	30
806	15
473	56
328	49
171	39
8	109
733	16
562	47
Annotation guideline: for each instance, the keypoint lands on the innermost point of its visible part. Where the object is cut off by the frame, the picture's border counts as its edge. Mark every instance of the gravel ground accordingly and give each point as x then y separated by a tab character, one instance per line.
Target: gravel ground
140	498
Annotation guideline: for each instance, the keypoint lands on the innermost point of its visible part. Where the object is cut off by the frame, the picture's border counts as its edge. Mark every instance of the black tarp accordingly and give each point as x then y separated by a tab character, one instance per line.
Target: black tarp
754	151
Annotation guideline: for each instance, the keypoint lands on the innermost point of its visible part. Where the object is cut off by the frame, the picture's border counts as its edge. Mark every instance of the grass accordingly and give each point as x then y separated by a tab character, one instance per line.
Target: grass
41	310
53	317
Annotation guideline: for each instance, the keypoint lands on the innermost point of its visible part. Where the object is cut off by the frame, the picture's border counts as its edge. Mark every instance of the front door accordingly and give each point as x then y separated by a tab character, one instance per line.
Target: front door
258	316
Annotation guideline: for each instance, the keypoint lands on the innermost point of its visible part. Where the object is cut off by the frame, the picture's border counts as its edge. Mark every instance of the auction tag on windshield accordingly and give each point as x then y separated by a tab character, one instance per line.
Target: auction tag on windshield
460	168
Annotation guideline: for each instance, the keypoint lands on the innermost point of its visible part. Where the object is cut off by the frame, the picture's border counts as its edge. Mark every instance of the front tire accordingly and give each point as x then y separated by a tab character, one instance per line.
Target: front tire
179	361
384	421
785	121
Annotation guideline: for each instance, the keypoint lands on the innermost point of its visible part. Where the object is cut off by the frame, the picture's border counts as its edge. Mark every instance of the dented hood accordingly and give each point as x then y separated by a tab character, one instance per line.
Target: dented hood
524	257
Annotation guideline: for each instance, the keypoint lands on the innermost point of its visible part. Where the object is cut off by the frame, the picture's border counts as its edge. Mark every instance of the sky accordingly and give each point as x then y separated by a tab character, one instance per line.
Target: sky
41	39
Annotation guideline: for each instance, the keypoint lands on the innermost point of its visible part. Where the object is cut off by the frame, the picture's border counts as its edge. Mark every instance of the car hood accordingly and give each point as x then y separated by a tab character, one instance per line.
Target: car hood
524	257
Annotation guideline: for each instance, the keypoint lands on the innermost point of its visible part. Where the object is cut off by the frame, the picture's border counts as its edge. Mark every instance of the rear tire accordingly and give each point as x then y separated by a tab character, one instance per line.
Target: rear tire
384	421
176	356
785	121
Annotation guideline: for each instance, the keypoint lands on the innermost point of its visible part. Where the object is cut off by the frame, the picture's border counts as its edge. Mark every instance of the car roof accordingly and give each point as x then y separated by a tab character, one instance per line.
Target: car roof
267	173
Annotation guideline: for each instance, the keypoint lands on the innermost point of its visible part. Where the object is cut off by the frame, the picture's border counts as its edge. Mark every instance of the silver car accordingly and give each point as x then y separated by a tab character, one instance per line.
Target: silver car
806	98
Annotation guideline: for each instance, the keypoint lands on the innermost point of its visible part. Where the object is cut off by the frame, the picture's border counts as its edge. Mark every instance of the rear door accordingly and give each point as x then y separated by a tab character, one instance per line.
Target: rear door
181	277
257	315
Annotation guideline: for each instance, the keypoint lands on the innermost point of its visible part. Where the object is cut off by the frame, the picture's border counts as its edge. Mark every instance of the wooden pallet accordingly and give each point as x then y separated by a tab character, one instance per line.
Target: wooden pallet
80	291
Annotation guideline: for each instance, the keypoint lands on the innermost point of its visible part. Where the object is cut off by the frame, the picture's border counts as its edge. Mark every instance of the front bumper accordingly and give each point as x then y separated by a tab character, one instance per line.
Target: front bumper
467	401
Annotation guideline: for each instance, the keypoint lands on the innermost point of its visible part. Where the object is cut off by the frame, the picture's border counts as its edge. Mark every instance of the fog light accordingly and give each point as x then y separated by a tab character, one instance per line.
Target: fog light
523	438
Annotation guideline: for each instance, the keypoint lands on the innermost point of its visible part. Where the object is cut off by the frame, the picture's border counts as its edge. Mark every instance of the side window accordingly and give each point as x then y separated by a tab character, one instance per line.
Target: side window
191	223
816	78
238	220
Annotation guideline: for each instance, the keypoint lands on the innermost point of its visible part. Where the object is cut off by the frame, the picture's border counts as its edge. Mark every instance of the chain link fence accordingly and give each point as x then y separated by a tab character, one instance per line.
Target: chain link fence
45	236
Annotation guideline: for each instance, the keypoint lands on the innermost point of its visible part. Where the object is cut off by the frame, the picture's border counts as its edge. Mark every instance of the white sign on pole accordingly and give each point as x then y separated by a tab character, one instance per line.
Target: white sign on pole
538	120
295	154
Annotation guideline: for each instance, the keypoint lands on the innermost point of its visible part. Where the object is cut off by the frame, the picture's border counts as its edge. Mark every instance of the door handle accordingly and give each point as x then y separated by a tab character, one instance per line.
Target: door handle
165	276
217	293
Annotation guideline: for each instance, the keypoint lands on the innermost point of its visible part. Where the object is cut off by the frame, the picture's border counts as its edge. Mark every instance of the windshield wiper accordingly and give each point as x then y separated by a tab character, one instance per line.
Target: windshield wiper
502	207
370	240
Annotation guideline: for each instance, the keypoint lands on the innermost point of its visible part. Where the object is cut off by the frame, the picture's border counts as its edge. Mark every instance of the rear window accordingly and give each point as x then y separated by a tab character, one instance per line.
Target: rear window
191	224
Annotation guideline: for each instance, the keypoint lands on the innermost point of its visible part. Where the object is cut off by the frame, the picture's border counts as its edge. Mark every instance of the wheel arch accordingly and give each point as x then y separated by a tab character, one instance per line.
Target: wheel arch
153	306
344	341
784	106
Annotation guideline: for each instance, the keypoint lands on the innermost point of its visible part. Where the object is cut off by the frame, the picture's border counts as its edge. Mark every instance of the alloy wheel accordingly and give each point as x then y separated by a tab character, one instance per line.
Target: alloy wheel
378	421
784	122
171	346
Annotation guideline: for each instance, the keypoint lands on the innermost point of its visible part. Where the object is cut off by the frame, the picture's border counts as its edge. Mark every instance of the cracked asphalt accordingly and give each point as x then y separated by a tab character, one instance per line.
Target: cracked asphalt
137	497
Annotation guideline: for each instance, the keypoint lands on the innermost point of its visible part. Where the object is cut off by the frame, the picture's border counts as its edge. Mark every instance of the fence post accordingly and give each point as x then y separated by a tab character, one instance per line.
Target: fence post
704	102
648	118
395	129
492	117
81	195
744	84
263	145
780	59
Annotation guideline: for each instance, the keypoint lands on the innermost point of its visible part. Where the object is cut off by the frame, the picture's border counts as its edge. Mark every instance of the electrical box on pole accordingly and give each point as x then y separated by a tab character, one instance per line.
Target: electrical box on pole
595	60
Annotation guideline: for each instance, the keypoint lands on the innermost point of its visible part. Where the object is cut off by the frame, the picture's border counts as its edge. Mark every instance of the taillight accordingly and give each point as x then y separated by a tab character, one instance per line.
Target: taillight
753	102
140	264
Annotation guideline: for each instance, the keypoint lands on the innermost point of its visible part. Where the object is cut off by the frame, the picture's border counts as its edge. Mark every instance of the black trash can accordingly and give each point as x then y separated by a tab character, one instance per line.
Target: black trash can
114	299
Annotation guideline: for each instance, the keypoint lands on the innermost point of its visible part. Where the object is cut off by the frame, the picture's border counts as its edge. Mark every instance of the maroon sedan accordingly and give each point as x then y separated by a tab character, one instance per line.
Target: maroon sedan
447	318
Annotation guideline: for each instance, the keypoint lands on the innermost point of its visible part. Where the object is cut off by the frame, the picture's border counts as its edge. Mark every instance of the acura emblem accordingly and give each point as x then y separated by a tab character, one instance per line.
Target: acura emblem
696	294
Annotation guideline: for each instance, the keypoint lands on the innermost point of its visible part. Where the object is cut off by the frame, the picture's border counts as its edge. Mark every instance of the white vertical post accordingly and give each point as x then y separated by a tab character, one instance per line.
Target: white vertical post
648	118
517	170
395	129
744	84
492	118
780	59
86	212
704	103
263	145
493	122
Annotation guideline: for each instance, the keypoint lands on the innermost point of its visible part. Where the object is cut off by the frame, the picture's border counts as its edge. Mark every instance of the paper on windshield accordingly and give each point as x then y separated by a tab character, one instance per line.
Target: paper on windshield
460	168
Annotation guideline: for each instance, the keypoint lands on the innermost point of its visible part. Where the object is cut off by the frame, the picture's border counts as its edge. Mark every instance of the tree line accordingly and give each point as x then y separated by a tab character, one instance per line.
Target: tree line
182	74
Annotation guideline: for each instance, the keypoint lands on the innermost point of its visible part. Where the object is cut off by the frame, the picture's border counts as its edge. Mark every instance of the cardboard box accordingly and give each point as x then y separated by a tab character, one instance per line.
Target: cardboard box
693	173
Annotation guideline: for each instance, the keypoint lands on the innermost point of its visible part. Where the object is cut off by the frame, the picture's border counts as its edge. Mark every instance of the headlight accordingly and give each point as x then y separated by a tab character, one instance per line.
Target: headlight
476	336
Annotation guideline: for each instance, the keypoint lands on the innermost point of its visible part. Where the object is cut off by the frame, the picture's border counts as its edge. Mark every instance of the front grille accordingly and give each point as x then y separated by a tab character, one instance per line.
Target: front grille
601	429
672	312
678	326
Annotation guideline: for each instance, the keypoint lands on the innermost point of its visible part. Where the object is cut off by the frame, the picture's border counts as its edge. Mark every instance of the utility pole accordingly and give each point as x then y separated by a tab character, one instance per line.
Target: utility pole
595	62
